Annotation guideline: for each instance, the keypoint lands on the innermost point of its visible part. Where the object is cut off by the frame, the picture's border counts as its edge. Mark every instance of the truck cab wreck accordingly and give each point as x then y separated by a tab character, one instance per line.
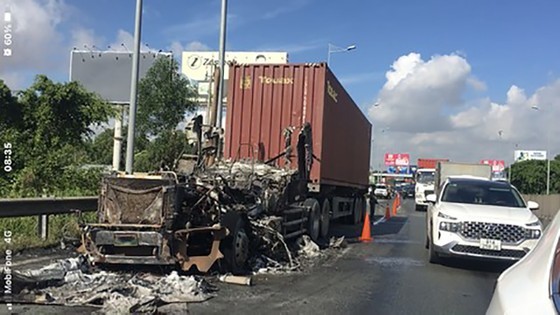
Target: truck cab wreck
271	183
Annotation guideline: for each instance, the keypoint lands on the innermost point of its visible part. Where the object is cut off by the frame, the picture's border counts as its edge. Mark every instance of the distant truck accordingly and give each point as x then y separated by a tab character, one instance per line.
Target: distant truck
425	181
445	170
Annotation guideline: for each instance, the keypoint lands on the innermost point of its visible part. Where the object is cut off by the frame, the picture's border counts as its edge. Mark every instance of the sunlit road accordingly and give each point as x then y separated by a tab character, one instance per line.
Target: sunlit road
389	276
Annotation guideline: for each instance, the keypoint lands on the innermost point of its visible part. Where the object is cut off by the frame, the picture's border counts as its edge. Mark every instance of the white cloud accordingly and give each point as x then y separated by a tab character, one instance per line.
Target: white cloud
422	102
35	34
82	38
177	47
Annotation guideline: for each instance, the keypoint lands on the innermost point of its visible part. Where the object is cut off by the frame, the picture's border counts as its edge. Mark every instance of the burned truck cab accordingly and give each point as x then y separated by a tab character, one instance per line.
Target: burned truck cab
141	220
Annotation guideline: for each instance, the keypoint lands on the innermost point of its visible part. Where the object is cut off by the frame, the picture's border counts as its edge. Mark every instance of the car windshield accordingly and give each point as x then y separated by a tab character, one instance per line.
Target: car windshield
425	177
483	193
380	187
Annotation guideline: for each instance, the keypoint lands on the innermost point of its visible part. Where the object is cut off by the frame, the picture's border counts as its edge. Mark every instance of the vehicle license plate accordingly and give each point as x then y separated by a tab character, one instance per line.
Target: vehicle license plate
490	244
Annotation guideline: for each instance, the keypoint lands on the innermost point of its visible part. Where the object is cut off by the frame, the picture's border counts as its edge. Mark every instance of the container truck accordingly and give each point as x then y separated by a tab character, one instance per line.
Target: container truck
424	181
296	155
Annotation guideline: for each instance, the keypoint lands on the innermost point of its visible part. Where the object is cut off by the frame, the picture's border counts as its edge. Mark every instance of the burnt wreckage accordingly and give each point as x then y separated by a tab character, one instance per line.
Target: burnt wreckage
202	213
295	156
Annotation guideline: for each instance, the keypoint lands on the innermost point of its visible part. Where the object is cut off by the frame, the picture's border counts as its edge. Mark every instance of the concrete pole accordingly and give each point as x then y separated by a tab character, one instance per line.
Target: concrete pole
117	138
548	160
134	89
222	71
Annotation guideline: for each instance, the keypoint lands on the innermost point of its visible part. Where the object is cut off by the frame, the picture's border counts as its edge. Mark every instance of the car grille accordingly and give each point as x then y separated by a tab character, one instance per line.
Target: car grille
509	253
507	233
428	192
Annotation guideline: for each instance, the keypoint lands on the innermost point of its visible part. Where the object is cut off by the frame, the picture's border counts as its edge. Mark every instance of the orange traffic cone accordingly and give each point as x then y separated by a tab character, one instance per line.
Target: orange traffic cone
366	230
387	213
395	207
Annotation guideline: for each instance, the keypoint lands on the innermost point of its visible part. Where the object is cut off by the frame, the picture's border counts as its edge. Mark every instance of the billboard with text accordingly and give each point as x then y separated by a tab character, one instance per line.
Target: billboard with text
525	155
397	159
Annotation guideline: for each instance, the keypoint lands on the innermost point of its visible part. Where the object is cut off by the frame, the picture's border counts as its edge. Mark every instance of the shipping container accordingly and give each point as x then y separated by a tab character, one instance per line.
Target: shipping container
430	163
266	99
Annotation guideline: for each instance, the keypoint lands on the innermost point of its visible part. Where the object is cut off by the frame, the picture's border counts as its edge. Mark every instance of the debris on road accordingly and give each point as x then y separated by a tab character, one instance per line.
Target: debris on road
67	282
242	280
309	248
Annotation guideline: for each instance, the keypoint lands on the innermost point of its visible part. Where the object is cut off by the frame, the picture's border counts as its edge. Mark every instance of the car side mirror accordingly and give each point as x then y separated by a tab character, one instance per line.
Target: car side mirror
532	205
431	198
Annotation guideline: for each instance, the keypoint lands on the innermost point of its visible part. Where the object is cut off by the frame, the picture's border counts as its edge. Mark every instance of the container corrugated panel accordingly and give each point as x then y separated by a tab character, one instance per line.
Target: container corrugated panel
265	99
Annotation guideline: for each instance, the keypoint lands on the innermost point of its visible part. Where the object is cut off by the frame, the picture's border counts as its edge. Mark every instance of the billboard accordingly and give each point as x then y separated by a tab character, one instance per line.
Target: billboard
108	73
497	165
398	159
198	65
525	155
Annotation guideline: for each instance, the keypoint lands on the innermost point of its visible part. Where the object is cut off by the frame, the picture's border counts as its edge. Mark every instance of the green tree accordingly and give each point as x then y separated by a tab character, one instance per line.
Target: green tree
530	176
163	150
47	126
100	148
164	97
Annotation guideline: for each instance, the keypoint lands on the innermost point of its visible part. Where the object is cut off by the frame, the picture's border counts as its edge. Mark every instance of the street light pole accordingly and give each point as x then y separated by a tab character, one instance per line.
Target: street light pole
547	159
335	49
134	89
537	108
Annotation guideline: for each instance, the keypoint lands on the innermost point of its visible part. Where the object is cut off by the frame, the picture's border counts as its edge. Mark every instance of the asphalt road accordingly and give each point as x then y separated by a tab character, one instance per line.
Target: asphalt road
390	275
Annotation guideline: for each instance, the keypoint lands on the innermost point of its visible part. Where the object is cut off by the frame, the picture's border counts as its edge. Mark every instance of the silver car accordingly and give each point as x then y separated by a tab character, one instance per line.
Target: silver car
532	285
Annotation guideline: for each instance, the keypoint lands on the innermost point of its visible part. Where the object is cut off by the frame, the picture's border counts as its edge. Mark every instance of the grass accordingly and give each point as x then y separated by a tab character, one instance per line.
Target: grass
24	231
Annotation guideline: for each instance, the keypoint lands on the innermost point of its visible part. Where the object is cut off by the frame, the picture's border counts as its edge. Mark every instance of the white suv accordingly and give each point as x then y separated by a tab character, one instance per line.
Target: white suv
480	218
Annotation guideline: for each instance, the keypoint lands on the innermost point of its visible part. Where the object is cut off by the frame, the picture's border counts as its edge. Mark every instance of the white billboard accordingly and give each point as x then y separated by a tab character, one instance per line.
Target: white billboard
108	73
198	65
525	155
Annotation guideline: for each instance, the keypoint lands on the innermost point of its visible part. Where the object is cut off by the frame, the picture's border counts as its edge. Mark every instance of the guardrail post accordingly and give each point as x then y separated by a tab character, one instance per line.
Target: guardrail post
43	227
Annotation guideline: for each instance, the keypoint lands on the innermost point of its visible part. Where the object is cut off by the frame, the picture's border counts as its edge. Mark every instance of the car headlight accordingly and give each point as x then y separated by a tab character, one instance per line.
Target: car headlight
445	216
532	224
532	233
449	226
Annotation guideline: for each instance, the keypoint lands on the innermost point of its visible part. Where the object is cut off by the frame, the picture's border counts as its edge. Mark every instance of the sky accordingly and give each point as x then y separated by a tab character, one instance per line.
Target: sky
464	80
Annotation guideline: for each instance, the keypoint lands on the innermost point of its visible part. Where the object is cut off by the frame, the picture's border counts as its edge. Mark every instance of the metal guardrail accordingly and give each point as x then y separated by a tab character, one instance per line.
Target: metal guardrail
44	206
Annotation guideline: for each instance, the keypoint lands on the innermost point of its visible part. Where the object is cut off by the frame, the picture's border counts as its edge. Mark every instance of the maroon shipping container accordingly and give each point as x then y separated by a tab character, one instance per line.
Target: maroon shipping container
265	99
430	163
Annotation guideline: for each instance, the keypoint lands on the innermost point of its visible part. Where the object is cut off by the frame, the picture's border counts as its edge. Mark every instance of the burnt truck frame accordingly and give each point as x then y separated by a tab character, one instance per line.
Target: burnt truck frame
198	218
209	209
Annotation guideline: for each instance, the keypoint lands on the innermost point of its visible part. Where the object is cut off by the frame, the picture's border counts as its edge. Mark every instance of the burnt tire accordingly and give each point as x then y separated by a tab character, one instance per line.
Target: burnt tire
313	218
325	218
235	246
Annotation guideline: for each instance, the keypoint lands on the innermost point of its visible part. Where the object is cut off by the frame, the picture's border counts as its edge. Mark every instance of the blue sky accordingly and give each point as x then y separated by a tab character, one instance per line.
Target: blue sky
502	43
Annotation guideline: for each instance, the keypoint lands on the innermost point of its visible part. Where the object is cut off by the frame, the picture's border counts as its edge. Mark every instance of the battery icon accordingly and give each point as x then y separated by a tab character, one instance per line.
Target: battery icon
7	16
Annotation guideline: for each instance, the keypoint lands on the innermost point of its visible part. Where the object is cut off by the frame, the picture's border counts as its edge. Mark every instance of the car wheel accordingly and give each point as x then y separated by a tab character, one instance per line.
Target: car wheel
433	256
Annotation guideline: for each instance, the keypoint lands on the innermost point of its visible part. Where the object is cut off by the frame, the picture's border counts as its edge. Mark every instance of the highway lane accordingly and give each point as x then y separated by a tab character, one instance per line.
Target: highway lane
389	276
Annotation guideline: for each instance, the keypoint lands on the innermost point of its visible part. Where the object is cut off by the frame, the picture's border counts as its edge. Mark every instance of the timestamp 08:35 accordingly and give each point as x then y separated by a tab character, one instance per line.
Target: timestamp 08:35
8	150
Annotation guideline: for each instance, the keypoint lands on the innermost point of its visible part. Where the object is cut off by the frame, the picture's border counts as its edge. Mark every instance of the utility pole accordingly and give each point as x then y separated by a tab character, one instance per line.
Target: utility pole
134	89
222	73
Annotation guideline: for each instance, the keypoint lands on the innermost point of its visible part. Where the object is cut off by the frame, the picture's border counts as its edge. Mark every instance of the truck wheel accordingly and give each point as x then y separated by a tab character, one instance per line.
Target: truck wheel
235	246
325	218
313	219
358	211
